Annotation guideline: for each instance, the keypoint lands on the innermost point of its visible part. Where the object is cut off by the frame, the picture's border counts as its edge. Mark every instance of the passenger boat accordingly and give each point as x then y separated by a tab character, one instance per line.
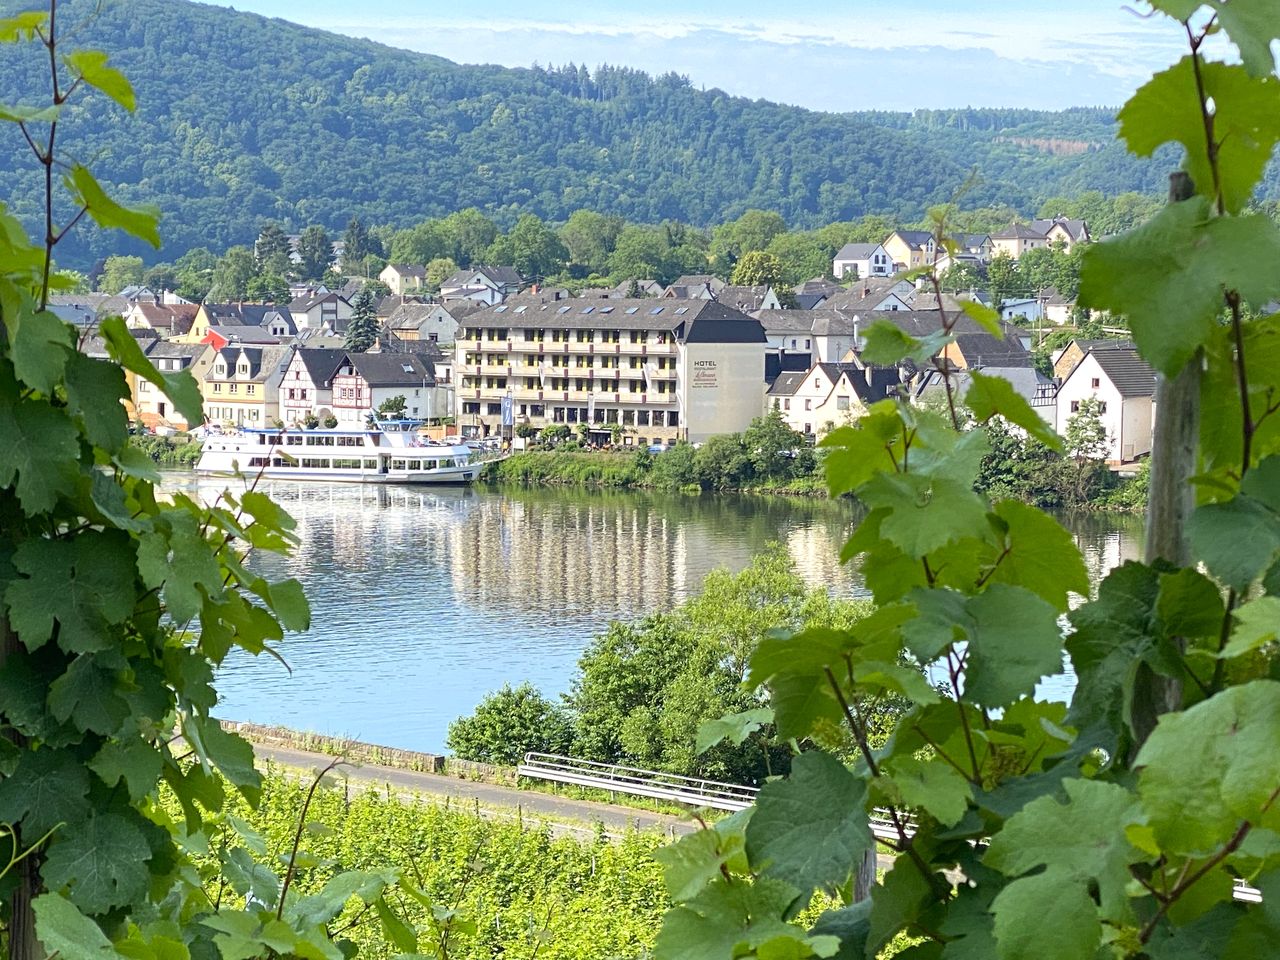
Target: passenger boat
385	452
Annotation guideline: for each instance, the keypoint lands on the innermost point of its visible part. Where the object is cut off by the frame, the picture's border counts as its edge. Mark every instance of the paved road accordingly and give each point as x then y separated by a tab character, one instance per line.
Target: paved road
494	800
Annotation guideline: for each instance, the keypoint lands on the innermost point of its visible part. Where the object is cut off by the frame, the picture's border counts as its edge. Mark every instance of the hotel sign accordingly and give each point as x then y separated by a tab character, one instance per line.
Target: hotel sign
705	374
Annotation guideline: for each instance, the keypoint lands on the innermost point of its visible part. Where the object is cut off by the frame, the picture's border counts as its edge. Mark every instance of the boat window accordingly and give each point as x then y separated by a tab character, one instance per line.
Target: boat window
257	461
344	463
371	464
282	462
397	464
293	441
315	463
415	464
430	464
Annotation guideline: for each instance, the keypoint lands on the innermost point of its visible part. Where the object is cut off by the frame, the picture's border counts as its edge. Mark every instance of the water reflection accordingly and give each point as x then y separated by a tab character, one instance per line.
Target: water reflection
424	600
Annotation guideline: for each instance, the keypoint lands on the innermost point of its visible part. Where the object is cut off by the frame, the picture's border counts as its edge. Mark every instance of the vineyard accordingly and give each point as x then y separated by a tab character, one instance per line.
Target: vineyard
506	888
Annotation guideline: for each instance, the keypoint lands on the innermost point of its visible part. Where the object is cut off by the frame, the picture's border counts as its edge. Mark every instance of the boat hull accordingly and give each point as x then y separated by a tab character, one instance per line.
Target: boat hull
453	475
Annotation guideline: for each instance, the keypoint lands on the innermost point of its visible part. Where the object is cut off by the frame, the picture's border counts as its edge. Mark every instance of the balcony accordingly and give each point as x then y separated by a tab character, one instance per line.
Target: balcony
499	369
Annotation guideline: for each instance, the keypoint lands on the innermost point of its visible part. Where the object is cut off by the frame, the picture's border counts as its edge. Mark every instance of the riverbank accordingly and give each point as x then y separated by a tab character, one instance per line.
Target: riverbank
1049	482
179	450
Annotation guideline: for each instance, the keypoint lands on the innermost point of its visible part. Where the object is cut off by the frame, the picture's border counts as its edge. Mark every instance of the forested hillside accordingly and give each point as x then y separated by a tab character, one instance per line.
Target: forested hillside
242	119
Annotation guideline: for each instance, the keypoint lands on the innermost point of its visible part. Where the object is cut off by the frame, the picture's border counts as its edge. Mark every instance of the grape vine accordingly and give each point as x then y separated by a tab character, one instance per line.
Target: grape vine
1118	826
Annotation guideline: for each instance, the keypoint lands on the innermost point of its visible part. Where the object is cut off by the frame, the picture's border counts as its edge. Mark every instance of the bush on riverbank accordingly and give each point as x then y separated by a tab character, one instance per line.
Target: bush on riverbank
179	450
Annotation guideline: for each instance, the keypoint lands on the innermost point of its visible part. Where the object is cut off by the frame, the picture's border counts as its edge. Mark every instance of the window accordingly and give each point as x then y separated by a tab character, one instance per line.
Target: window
1095	383
786	404
1075	406
217	388
793	343
842	403
1102	406
808	405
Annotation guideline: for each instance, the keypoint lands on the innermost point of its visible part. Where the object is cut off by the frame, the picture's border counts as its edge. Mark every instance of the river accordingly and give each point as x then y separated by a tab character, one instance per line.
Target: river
425	600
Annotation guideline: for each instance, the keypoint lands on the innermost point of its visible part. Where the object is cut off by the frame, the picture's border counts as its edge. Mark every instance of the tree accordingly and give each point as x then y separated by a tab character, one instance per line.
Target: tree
195	270
426	241
362	328
1086	435
1002	278
1161	765
470	234
531	247
393	407
803	256
751	231
509	723
268	288
589	238
271	252
757	268
776	451
357	246
315	253
641	253
232	274
959	278
120	272
438	271
161	277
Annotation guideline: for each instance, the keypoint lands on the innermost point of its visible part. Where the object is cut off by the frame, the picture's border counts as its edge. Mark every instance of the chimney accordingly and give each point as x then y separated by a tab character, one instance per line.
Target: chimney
866	288
534	290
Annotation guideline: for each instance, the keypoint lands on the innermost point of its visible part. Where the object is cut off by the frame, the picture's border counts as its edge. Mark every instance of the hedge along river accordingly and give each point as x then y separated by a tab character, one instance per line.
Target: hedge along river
424	600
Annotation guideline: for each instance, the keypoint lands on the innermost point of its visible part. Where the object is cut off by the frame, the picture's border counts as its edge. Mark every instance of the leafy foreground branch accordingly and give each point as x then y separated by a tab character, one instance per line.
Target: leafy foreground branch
1118	826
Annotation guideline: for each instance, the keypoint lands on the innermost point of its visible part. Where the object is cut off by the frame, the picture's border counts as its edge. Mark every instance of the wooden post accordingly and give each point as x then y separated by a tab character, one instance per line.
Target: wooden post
1174	455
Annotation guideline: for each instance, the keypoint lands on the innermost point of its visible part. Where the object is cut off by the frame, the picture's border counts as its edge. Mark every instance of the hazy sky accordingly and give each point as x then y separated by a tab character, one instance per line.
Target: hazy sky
871	54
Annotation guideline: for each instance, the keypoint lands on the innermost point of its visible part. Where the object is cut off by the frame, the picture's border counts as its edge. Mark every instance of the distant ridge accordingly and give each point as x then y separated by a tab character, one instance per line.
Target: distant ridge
243	119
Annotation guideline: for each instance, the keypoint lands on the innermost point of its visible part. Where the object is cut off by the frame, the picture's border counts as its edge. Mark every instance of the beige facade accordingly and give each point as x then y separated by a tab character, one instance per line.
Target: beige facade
662	370
816	402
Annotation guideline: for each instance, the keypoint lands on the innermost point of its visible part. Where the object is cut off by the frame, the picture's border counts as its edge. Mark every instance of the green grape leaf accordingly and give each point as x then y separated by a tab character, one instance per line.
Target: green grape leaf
1014	641
1167	276
49	787
132	760
896	901
182	562
1252	27
1082	839
989	396
1189	605
984	316
40	446
67	933
40	345
1246	123
1216	758
82	585
803	703
850	925
1263	481
140	222
886	676
943	620
1256	622
231	753
811	829
1112	635
92	387
885	344
858	453
322	907
698	858
91	65
22	26
926	513
289	603
181	388
249	878
1237	540
102	863
86	695
1038	553
23	114
726	920
240	934
735	728
1049	919
401	935
931	785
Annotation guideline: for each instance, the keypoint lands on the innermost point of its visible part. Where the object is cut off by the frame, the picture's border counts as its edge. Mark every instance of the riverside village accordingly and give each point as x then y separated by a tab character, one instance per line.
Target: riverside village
720	504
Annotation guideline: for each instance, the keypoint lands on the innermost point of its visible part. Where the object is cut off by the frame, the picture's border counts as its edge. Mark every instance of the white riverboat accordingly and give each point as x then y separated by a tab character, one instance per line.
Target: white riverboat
387	452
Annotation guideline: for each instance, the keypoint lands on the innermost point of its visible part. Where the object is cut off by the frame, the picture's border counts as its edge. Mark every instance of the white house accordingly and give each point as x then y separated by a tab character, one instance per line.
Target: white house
1124	384
820	399
401	278
1029	309
860	260
307	386
321	311
488	285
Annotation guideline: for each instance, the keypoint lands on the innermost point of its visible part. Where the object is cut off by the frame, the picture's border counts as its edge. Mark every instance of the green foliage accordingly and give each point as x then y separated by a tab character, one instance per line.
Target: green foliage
1116	826
362	327
757	268
509	723
120	272
393	406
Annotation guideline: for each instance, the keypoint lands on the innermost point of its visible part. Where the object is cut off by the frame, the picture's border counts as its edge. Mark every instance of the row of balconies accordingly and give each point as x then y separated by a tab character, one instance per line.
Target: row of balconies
568	396
542	348
532	370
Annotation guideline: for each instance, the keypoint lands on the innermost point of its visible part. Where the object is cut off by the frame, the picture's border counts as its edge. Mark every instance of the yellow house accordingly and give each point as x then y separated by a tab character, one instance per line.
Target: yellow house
911	248
241	384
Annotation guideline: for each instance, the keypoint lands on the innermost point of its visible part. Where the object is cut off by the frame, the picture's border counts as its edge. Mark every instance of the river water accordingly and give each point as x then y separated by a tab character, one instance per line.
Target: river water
425	600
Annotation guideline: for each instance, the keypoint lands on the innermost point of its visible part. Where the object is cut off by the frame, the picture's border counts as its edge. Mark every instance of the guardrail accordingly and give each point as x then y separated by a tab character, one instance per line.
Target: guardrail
703	793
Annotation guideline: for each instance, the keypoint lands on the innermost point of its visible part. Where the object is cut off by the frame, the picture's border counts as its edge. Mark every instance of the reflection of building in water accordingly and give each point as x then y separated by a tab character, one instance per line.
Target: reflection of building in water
1106	546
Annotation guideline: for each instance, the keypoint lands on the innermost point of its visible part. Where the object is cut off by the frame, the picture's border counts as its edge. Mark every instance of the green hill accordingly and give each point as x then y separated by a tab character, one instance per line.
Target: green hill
242	119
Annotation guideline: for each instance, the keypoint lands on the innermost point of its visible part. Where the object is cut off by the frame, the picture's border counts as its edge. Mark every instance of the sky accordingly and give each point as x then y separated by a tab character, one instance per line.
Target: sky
869	54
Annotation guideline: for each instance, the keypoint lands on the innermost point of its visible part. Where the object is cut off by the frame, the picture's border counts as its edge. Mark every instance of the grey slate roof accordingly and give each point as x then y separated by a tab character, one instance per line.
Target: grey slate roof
1132	375
984	350
915	238
695	321
391	369
787	383
856	251
1019	231
787	321
320	363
